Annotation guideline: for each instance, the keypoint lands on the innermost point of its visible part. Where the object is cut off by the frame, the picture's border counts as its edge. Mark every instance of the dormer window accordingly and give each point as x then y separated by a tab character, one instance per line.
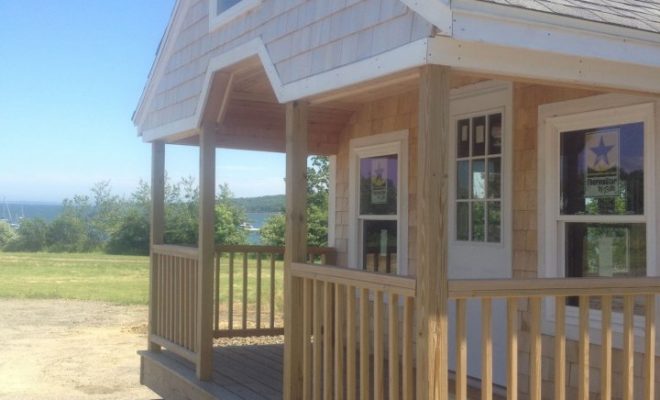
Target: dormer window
222	12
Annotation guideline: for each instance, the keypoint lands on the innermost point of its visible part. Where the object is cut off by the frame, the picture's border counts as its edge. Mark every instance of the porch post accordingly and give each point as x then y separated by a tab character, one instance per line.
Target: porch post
296	246
432	286
206	245
157	226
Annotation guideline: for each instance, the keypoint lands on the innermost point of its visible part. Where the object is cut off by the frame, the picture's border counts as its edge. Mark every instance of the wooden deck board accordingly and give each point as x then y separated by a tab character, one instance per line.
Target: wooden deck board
254	373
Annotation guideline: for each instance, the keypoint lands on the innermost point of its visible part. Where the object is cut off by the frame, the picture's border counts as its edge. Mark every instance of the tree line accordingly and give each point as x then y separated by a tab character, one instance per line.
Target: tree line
109	223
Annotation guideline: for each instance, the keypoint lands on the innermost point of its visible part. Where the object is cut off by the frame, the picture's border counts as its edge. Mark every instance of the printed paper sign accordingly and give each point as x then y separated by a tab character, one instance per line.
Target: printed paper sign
379	181
602	164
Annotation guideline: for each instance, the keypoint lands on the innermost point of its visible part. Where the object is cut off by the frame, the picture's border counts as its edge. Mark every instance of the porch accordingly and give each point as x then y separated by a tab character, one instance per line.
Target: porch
351	330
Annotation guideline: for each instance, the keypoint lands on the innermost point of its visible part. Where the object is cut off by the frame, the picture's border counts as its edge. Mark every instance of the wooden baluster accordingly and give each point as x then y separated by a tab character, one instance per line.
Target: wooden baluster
560	348
318	339
192	281
351	373
245	290
649	337
307	324
272	291
230	299
327	341
340	311
512	355
179	299
628	347
216	290
606	348
583	362
407	362
393	350
486	349
378	345
535	350
365	349
461	350
258	321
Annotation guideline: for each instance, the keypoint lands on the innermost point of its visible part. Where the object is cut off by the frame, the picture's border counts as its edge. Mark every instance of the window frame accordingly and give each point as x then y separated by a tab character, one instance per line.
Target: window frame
373	146
584	114
218	18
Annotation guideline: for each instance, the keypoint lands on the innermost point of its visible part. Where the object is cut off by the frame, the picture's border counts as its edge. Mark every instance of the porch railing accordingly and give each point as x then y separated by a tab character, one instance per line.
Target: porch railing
174	274
358	330
248	288
554	293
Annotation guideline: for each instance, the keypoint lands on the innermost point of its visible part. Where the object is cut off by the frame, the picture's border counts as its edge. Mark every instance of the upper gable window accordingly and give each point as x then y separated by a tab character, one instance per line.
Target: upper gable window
222	12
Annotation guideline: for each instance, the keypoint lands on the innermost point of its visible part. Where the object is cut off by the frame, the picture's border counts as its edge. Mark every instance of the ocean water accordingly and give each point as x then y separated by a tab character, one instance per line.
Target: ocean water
257	220
14	212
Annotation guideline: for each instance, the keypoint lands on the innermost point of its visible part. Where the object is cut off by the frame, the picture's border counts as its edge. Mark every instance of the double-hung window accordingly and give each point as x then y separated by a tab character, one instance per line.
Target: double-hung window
222	12
378	203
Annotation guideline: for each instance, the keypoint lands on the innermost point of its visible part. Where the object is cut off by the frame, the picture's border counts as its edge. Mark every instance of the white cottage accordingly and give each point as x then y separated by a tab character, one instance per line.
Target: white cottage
494	208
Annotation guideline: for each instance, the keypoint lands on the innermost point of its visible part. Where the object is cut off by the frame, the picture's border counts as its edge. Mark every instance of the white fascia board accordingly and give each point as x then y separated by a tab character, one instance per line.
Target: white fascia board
158	68
402	58
436	12
492	59
172	132
515	27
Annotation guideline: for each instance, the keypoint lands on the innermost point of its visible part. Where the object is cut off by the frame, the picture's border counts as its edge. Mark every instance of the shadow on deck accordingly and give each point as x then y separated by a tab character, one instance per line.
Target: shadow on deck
251	372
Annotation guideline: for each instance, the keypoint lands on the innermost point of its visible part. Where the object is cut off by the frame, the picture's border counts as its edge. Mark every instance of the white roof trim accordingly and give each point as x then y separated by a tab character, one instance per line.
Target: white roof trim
399	59
549	35
158	68
437	12
533	64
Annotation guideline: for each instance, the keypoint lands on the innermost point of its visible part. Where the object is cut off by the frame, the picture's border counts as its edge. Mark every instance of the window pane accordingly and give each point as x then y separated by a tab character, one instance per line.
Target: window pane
379	246
463	180
478	179
478	136
226	4
378	185
605	250
478	217
495	134
463	138
463	221
602	171
494	222
494	178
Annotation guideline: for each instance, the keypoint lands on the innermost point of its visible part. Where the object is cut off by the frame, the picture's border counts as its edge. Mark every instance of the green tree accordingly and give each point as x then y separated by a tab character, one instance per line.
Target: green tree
228	218
67	234
7	233
132	235
318	179
31	236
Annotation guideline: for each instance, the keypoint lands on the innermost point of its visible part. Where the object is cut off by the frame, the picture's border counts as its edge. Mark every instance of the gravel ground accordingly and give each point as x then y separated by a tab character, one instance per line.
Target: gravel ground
59	349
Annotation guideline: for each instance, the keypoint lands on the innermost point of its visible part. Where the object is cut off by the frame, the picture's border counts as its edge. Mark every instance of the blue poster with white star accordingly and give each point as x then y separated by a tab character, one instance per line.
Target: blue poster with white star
602	175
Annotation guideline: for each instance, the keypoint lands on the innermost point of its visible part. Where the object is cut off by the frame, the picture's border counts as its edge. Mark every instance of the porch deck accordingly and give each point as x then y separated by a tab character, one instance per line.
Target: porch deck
250	372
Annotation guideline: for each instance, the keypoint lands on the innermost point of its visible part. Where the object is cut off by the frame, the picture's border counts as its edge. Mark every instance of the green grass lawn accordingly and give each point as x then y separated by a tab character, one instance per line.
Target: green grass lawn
100	277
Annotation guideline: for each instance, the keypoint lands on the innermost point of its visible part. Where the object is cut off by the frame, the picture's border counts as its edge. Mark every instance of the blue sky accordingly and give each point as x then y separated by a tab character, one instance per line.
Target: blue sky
71	74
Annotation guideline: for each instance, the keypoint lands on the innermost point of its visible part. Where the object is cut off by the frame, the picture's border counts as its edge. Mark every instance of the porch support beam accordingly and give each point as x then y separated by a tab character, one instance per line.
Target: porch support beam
432	184
206	251
296	246
157	233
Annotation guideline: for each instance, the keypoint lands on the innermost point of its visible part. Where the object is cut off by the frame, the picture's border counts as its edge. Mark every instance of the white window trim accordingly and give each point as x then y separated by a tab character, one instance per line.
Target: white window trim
217	20
482	99
582	114
372	146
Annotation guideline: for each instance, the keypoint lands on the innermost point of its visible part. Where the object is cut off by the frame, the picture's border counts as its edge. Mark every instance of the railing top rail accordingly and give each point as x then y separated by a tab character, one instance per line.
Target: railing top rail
175	250
400	285
542	287
248	248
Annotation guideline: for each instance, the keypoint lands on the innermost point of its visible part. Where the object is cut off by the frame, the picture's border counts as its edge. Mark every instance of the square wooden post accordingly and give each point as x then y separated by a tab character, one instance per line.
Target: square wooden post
432	184
206	251
157	228
296	246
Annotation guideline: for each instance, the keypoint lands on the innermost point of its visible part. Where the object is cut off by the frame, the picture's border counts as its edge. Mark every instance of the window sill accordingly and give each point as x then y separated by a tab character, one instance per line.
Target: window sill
217	20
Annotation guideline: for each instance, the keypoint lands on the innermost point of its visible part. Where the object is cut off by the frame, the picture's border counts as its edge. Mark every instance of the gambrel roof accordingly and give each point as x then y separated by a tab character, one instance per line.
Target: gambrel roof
638	14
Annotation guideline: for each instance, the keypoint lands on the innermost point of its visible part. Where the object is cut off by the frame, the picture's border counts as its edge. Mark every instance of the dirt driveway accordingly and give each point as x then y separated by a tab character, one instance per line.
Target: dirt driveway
59	349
